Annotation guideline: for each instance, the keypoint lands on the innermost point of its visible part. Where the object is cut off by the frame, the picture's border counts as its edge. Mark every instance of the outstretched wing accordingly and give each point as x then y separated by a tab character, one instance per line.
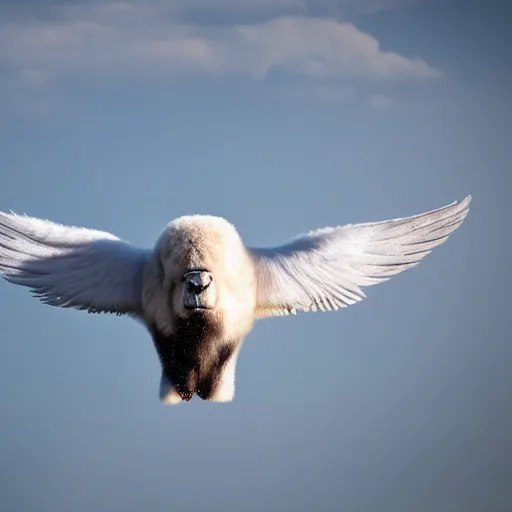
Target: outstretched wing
325	269
71	267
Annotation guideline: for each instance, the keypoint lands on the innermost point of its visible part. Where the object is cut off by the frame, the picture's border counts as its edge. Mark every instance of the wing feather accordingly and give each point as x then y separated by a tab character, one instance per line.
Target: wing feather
326	269
71	267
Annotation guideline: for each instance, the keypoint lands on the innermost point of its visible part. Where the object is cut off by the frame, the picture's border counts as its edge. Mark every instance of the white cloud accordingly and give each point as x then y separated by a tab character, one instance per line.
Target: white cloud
322	48
133	38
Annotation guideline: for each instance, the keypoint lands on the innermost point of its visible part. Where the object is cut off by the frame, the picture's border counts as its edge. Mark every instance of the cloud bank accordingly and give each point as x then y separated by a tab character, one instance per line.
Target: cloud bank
154	38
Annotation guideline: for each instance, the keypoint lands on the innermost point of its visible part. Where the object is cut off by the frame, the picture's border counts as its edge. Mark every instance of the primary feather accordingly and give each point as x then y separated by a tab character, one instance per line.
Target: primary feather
71	267
327	268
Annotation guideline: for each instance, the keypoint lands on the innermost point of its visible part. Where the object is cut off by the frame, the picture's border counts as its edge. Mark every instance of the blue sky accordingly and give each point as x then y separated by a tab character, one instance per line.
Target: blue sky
282	116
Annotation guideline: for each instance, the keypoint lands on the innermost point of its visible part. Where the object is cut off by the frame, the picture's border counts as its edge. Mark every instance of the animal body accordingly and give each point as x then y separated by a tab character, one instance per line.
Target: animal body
200	289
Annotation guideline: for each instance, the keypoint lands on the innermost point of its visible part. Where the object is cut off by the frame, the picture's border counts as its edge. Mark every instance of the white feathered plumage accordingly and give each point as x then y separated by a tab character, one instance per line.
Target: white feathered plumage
201	260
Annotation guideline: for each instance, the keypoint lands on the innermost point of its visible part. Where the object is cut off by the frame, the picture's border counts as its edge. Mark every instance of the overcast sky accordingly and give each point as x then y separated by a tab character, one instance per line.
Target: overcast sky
283	116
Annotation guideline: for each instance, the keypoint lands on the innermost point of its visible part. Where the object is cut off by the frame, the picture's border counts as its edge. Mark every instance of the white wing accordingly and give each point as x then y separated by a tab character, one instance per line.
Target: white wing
326	269
71	267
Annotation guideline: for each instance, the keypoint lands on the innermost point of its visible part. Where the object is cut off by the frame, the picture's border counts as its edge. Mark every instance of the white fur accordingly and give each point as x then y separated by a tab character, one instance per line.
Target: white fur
168	394
219	248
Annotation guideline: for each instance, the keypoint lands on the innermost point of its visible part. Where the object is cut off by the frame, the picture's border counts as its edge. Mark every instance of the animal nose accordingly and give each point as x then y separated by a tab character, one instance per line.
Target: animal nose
197	281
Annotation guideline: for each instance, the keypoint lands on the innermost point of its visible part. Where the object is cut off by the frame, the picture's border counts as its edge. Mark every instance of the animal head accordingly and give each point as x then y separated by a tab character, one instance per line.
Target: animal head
200	264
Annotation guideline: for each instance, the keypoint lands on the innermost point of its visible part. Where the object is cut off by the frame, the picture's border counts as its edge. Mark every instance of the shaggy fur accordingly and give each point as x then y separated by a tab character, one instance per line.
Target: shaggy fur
198	350
200	289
